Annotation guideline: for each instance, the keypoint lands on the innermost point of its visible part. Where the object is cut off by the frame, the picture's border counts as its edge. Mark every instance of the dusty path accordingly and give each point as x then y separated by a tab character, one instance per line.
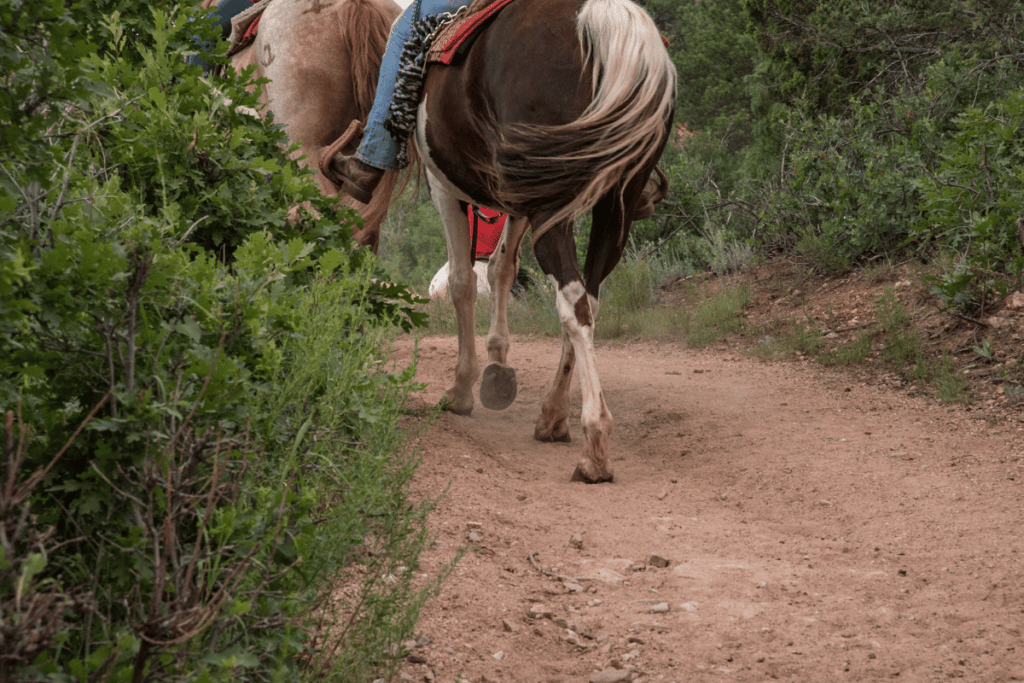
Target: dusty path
816	530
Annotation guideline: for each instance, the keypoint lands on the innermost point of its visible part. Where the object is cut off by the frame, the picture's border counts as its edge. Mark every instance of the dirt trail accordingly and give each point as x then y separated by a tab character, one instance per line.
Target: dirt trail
816	528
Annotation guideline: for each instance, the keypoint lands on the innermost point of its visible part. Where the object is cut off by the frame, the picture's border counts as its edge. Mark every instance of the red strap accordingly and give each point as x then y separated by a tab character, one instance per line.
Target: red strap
253	28
447	53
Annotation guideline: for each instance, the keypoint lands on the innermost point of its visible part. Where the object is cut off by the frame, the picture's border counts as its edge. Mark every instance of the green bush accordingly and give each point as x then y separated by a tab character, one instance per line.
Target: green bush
973	204
199	421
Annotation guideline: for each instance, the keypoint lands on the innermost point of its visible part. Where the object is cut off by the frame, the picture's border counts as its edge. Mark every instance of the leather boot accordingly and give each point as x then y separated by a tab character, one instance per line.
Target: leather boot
357	179
654	192
645	207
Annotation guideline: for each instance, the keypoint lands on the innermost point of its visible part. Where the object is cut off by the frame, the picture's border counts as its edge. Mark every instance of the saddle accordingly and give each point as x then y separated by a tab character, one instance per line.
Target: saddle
244	26
454	40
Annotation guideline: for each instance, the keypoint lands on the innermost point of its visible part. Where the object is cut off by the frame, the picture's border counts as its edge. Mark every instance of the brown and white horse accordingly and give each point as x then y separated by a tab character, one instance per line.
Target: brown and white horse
322	59
560	107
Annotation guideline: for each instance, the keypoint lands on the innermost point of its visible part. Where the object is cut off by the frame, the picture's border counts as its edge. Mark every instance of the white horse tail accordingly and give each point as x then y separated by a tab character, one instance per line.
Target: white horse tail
619	133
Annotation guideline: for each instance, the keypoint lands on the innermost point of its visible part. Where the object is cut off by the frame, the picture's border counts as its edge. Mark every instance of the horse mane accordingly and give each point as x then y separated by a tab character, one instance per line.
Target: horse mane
365	29
620	132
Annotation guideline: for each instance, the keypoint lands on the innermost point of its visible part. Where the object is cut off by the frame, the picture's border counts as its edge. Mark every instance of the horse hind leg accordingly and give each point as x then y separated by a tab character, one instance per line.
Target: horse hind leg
553	421
498	385
577	308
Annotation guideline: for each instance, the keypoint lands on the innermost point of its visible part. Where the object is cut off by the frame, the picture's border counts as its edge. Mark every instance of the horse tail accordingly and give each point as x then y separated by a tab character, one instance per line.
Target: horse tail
364	28
619	134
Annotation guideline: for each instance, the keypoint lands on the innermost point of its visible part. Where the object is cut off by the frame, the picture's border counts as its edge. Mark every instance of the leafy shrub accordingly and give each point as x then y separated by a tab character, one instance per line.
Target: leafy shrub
199	422
973	204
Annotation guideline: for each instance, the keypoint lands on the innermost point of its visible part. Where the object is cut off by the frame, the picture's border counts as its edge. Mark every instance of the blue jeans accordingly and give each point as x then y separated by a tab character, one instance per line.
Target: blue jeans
378	148
222	14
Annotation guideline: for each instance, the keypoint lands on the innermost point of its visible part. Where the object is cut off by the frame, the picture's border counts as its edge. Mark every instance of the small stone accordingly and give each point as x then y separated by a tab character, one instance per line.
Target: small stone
499	655
570	636
641	626
1015	301
540	612
661	496
660	608
509	626
636	639
574	588
871	655
576	541
658	561
612	676
416	659
408	645
521	497
474	537
422	640
474	525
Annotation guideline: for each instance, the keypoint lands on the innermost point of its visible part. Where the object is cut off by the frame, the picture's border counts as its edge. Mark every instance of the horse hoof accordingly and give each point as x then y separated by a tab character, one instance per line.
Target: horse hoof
450	406
579	475
564	437
498	387
551	432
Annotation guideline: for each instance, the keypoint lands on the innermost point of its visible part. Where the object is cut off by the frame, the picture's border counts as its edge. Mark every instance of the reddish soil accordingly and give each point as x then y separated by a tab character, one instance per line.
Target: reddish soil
818	524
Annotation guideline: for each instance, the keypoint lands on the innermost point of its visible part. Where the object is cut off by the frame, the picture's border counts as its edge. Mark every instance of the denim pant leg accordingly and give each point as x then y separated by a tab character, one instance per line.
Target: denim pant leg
378	148
222	15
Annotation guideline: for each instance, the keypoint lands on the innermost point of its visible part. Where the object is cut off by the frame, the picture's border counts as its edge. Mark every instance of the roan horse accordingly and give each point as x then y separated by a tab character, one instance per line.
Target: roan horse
322	59
559	107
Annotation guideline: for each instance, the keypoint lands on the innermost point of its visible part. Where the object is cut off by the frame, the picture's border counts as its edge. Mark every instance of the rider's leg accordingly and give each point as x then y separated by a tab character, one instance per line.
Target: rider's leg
222	14
378	150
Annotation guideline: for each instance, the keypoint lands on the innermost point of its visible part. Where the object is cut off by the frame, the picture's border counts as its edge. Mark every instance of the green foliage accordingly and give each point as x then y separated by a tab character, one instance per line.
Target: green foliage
849	354
972	203
780	339
199	419
716	316
713	55
820	54
985	350
901	150
412	245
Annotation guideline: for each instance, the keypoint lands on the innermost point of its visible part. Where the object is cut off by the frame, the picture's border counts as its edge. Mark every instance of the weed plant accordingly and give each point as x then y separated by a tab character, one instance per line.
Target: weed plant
781	339
716	316
850	354
728	255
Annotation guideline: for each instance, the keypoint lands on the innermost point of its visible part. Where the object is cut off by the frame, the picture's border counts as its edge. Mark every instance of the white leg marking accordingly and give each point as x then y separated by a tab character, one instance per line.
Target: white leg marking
577	315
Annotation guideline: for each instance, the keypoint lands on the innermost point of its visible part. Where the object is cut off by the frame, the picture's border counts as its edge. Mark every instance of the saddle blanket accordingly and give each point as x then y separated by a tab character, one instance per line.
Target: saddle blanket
245	25
486	226
454	40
